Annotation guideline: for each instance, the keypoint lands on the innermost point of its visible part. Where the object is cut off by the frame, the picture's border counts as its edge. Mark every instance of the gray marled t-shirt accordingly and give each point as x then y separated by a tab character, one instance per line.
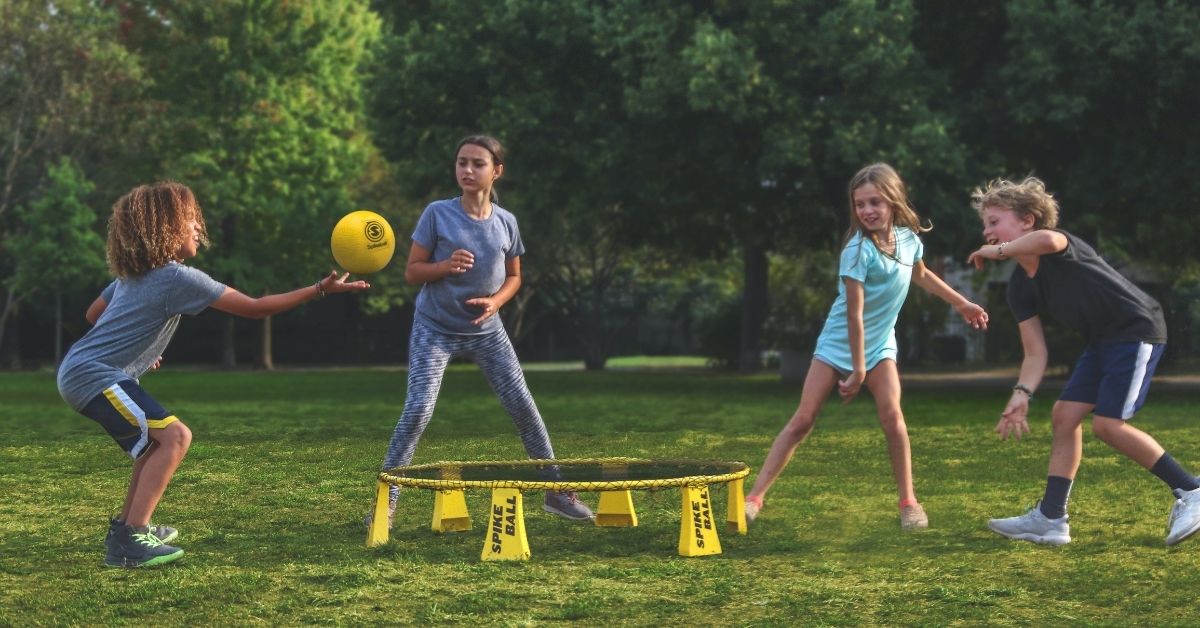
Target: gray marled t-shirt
445	227
134	329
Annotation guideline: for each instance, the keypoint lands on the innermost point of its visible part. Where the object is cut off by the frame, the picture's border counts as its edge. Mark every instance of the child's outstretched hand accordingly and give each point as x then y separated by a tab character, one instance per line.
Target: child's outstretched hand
332	284
974	315
848	388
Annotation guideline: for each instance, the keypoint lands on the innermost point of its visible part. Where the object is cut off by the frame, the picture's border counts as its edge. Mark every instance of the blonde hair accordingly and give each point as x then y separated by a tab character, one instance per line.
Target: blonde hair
891	187
1027	198
148	226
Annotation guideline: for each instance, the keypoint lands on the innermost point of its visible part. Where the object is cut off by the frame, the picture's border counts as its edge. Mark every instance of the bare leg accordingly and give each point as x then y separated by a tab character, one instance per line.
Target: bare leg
818	384
154	471
1067	447
1137	445
133	481
884	383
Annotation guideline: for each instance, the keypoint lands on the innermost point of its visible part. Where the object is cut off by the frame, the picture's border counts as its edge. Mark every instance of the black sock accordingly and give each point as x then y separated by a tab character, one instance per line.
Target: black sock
1170	472
1054	502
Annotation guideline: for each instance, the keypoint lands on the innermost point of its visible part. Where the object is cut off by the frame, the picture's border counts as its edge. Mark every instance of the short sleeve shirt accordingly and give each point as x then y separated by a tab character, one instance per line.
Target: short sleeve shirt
138	322
885	280
445	227
1077	288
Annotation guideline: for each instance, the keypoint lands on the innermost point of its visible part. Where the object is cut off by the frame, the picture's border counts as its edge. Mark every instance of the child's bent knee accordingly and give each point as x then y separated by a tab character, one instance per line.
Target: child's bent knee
176	436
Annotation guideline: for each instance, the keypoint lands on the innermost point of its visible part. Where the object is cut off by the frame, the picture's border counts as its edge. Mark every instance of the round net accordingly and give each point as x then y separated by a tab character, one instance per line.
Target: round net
584	474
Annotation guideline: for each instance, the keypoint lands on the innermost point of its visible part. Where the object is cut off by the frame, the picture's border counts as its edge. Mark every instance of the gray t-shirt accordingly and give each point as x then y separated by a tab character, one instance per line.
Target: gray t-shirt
445	227
134	329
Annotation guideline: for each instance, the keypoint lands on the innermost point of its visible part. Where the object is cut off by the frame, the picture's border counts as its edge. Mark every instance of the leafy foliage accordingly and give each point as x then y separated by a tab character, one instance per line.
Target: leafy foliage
263	117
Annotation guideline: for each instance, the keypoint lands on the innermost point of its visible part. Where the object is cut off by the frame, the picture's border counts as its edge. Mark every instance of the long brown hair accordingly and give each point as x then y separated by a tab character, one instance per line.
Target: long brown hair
148	226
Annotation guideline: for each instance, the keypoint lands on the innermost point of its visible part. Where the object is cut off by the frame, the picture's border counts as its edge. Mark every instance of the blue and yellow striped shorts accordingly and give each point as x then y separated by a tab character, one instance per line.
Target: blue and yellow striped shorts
127	413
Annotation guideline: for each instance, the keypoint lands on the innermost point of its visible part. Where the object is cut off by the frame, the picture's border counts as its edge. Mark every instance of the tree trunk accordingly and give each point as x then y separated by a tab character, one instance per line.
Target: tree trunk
754	307
265	359
58	325
10	349
229	344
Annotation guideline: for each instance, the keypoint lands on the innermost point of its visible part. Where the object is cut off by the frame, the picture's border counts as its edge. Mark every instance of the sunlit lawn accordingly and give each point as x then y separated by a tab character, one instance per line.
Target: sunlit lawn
271	497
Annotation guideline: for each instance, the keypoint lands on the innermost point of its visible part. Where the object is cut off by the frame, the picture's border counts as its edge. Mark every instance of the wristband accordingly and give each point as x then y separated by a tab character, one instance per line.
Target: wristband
1025	389
1000	253
320	290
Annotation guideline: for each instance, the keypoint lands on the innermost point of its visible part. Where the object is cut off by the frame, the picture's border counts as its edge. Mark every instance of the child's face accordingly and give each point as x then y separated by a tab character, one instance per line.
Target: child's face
191	239
474	168
872	210
1001	224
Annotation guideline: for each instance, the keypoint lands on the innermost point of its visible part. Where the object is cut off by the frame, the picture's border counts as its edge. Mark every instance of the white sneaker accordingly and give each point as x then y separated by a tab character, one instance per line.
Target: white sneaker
1185	516
1036	527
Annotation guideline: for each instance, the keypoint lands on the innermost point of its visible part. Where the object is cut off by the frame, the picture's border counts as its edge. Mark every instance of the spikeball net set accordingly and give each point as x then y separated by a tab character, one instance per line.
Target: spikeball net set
613	478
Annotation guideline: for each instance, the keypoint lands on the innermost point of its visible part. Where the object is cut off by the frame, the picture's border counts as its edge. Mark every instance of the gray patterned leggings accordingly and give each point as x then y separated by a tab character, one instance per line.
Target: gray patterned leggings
429	352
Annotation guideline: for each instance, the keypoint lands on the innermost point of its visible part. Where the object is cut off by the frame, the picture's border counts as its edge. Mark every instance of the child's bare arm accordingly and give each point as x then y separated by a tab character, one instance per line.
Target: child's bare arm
95	310
973	314
239	304
421	270
1040	242
855	297
1014	421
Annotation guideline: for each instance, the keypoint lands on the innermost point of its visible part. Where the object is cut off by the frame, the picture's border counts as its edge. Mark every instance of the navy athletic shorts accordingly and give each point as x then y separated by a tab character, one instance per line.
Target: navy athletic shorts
1114	377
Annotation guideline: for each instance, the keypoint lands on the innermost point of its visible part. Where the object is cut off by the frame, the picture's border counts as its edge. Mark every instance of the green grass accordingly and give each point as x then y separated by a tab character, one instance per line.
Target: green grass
271	497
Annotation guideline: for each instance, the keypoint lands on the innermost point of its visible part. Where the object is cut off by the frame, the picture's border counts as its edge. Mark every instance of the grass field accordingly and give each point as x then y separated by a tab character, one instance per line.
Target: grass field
271	497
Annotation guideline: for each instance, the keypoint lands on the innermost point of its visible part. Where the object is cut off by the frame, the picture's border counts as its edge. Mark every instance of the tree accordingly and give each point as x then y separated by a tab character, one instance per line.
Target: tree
689	129
263	118
1096	98
67	89
56	243
751	117
529	72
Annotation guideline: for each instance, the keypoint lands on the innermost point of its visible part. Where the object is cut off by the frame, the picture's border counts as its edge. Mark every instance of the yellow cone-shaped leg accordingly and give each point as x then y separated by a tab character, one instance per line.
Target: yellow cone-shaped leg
450	511
697	534
736	513
377	533
505	538
616	510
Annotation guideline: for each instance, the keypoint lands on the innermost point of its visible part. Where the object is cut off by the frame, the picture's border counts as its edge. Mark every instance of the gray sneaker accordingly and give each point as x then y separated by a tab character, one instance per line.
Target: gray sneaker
567	505
166	534
131	547
1185	516
1034	526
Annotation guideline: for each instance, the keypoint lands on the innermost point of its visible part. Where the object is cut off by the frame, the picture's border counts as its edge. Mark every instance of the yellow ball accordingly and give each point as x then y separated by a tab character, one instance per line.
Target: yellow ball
362	242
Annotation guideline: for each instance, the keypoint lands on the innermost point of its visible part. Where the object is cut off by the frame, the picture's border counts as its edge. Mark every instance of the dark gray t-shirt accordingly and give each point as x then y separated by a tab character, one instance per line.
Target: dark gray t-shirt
1079	289
445	227
134	329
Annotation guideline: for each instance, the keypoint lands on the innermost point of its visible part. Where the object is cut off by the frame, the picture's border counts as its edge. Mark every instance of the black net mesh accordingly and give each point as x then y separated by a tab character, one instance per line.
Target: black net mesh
567	474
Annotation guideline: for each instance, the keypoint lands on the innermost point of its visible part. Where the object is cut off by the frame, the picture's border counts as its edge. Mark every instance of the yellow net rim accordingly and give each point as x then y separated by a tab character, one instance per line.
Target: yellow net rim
738	470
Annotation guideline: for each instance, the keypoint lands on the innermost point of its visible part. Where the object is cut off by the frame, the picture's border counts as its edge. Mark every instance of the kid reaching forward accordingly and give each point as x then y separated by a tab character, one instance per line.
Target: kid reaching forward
1060	274
881	255
153	229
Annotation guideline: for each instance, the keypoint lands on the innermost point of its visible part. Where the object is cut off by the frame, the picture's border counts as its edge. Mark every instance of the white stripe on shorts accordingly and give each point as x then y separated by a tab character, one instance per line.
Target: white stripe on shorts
1139	375
132	413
